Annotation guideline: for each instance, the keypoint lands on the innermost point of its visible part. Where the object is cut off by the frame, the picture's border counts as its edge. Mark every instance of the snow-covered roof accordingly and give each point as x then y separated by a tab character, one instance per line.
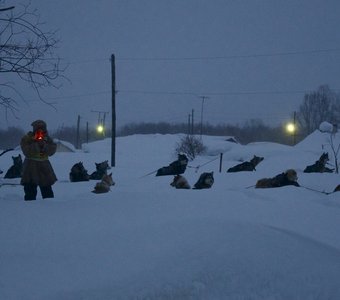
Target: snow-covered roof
64	146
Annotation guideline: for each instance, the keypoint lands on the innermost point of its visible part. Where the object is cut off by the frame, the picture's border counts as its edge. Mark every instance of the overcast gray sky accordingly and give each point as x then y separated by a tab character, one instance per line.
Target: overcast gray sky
254	59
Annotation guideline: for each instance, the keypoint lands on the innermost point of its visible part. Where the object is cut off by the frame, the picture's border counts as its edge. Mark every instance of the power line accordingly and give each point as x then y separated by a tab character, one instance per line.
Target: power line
194	94
288	53
159	92
235	93
223	57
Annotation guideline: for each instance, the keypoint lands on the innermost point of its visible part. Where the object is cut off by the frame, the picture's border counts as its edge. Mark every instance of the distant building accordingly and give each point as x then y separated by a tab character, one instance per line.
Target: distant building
232	139
63	146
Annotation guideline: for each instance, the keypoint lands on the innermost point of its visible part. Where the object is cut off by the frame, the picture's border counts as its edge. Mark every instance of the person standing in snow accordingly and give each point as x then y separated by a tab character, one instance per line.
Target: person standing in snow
37	146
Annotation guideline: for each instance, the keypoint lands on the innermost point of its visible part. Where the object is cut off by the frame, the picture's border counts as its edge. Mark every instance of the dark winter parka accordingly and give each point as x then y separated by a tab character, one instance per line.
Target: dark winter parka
37	169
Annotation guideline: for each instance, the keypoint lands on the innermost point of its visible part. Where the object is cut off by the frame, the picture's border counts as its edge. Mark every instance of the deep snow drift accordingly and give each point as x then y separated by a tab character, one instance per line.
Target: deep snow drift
147	240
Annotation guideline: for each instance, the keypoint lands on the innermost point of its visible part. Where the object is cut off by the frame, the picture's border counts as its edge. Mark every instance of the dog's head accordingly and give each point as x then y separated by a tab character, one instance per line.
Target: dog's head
256	160
324	158
108	179
209	178
175	180
182	158
17	160
78	168
103	166
291	175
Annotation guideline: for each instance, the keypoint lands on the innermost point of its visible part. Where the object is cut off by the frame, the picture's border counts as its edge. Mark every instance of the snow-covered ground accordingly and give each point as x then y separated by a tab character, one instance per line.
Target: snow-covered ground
147	240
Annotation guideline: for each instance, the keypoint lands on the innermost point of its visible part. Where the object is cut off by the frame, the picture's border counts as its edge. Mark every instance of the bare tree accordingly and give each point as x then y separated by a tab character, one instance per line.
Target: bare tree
27	53
191	146
318	106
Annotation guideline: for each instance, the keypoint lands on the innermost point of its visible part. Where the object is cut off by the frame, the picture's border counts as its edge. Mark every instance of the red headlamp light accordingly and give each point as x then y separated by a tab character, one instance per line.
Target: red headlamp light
39	135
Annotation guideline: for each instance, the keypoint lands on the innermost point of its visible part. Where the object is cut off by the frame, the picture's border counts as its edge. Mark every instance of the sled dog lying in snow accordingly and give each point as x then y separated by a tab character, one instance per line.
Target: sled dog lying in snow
205	181
175	168
319	166
104	185
247	165
101	170
287	178
79	173
180	182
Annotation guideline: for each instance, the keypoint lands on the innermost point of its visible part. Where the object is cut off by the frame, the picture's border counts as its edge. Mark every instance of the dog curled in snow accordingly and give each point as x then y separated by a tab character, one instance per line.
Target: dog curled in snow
205	181
104	185
247	165
180	182
79	173
15	171
319	166
286	178
101	170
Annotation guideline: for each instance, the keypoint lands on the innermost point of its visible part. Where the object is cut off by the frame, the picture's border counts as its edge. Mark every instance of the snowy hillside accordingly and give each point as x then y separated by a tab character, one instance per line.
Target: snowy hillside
147	240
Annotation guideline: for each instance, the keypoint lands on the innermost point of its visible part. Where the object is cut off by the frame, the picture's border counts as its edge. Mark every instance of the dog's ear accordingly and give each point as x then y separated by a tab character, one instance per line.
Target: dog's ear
110	174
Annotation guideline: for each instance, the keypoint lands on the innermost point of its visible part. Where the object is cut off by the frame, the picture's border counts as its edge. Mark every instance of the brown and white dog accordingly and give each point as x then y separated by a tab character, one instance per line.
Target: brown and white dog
180	182
104	185
287	178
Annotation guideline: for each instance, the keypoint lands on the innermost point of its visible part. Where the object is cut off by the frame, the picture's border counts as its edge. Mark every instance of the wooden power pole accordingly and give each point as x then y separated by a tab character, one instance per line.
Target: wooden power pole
113	129
78	133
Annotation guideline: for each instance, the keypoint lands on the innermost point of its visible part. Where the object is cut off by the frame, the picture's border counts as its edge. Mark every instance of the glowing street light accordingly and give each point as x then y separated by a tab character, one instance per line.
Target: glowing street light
291	128
100	129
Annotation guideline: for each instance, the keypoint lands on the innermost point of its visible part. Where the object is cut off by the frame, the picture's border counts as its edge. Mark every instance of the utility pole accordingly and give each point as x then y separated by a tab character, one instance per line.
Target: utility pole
192	122
101	121
189	124
203	98
101	129
87	132
78	133
113	129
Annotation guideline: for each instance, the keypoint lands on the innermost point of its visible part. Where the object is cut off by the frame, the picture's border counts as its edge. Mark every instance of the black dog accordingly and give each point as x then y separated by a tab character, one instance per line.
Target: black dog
247	165
101	170
205	181
319	166
79	173
175	168
15	171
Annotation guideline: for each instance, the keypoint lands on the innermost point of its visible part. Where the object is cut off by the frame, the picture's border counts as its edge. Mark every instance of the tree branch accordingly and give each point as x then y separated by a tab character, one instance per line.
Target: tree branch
28	52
